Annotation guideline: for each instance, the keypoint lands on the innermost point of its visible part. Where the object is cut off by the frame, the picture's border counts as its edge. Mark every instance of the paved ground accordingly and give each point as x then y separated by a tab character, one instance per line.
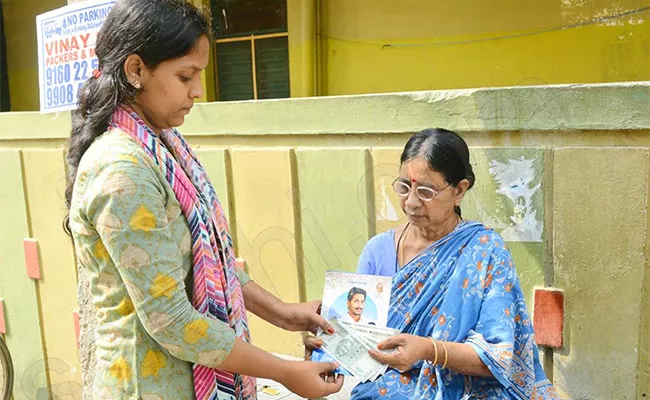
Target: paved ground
284	394
344	394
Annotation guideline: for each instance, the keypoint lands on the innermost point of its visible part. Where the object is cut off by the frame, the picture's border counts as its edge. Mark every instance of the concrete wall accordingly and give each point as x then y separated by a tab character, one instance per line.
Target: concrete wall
306	183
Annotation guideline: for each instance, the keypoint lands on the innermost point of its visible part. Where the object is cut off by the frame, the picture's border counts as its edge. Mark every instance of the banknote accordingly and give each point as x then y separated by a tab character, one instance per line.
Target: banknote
372	336
369	337
357	302
375	333
346	348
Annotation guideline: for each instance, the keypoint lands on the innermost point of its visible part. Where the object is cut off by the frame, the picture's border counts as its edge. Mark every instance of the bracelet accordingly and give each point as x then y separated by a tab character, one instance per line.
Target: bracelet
435	348
446	354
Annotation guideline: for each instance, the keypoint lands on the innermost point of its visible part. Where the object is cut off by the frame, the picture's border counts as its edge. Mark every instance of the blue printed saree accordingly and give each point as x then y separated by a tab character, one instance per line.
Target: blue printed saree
464	288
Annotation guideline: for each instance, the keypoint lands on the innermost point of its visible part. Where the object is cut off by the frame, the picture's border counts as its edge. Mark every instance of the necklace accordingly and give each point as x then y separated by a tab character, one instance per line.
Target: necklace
406	233
401	242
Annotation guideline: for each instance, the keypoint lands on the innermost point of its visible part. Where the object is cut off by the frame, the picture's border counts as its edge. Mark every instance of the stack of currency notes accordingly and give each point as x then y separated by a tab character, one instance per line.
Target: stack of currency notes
349	346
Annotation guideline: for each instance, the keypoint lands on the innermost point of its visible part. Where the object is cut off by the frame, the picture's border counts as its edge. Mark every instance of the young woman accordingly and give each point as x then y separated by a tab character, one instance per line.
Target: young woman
149	229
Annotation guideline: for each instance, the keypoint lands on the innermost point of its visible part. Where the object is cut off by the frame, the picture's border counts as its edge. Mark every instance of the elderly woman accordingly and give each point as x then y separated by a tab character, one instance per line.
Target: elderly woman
455	296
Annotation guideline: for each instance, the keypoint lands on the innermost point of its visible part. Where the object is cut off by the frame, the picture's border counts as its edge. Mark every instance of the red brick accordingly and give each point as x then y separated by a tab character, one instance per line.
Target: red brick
75	319
241	263
32	261
548	317
3	326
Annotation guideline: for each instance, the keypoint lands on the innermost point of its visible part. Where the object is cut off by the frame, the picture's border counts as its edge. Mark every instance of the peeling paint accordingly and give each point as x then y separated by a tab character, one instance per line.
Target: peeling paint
515	178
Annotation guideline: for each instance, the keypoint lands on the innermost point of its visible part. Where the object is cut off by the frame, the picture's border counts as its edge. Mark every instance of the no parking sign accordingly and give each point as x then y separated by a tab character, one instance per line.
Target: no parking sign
66	51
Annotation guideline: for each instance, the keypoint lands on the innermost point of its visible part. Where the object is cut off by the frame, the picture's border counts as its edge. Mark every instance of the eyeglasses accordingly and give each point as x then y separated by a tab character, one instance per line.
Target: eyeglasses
424	193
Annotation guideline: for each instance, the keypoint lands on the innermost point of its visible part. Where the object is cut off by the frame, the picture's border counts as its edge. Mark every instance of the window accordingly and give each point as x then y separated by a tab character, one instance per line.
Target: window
252	51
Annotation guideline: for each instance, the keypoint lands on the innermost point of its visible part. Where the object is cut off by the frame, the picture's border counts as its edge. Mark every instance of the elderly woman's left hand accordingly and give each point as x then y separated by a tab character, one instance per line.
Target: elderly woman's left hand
304	317
408	349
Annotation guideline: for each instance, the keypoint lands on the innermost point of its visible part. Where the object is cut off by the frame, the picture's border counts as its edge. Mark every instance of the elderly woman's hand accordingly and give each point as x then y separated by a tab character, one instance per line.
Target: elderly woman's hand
408	349
311	343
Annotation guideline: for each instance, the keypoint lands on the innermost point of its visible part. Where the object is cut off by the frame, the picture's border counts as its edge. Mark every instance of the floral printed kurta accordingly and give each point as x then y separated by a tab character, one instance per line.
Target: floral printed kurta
131	236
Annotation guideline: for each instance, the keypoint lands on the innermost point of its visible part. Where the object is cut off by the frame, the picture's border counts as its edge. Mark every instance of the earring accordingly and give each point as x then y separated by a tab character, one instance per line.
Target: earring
136	84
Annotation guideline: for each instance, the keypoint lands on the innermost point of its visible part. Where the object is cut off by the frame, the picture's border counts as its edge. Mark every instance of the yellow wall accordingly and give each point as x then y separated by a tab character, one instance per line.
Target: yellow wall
337	47
22	57
354	61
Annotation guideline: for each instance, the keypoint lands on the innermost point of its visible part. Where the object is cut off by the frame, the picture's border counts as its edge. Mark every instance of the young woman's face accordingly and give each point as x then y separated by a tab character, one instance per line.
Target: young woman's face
168	91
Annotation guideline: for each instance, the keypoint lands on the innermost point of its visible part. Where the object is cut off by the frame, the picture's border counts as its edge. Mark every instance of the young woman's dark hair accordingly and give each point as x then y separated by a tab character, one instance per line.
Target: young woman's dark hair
445	152
156	30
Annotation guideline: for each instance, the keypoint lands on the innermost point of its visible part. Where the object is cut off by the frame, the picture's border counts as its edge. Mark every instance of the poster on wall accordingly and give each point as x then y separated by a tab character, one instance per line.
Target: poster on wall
66	51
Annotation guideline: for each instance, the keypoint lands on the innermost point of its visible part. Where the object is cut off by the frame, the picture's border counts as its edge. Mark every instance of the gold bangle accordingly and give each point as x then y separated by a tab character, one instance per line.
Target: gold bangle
446	354
435	348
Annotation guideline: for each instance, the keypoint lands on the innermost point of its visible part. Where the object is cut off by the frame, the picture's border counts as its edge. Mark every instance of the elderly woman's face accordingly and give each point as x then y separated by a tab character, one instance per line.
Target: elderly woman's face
417	173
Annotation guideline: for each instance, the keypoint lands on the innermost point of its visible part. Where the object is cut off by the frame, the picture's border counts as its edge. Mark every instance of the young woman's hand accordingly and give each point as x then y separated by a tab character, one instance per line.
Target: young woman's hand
303	317
312	380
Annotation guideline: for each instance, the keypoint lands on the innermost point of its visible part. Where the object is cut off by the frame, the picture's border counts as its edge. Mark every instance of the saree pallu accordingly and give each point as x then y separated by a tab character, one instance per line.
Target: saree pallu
464	289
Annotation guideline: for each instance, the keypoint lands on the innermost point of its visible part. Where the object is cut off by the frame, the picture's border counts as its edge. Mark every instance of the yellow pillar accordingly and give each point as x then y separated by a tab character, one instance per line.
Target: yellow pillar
207	76
301	20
